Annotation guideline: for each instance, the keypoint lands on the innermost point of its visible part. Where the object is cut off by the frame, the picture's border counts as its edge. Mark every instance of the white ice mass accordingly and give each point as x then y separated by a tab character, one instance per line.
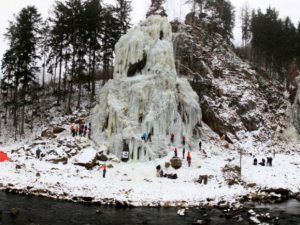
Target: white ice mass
145	81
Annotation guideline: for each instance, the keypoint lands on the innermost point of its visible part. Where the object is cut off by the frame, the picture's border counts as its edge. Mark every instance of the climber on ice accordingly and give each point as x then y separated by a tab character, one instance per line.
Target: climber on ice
149	137
183	140
172	138
141	117
144	137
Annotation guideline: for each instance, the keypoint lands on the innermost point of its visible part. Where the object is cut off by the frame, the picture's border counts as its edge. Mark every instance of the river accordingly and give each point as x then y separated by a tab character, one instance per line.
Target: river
44	211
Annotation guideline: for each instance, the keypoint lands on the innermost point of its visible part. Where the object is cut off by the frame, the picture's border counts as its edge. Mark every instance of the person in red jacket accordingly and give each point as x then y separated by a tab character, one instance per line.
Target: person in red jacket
183	140
76	131
104	170
172	137
189	158
175	151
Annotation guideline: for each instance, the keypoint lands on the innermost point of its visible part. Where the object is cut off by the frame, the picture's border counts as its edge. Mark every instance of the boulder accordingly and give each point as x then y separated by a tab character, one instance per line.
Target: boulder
251	185
254	220
298	197
86	158
57	160
110	166
103	158
46	133
57	130
176	163
14	211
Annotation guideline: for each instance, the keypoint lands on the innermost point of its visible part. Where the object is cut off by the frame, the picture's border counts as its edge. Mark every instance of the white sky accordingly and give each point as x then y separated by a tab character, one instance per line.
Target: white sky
285	7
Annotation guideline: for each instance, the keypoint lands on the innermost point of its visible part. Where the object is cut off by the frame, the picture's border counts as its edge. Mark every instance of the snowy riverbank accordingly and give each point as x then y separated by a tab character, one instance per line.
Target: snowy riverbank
135	183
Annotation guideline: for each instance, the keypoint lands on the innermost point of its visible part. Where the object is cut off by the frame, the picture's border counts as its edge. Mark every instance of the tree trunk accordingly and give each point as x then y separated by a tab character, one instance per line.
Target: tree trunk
44	67
69	110
22	131
59	79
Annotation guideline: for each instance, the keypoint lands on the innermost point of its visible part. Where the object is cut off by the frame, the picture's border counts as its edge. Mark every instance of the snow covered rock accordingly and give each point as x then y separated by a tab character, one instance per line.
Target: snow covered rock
87	158
254	220
181	212
145	81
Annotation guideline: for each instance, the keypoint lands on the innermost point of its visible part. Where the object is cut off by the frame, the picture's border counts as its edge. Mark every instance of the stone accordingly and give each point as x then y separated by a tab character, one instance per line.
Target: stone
251	185
176	163
103	158
46	133
14	211
59	159
298	197
57	130
167	165
181	212
254	220
110	166
38	174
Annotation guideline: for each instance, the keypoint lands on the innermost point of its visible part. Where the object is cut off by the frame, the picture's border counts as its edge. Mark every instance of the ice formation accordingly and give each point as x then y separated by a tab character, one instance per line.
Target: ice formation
145	80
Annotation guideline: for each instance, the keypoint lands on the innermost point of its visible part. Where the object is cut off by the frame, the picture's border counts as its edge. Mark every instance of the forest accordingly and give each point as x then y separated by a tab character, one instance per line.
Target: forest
69	51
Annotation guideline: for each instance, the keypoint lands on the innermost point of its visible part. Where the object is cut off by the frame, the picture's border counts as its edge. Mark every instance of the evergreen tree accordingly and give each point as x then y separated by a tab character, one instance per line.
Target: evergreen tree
157	8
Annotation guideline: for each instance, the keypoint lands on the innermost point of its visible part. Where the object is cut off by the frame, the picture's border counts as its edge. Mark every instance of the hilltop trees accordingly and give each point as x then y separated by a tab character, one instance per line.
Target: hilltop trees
19	64
72	45
221	14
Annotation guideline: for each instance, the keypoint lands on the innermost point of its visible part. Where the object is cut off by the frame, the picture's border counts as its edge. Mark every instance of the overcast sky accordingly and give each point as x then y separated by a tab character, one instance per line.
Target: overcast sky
10	7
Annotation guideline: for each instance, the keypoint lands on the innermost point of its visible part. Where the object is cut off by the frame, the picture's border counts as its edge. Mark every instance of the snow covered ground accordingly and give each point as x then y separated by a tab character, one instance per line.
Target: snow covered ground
136	183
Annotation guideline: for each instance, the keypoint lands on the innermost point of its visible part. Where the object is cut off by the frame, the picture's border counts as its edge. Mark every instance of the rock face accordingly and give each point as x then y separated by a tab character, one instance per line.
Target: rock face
176	163
153	88
242	100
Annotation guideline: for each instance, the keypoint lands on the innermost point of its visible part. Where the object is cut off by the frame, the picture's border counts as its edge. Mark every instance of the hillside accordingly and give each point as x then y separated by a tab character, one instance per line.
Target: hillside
202	90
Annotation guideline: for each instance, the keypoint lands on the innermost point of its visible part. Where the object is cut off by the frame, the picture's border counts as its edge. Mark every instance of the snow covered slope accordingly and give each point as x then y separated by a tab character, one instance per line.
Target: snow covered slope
145	81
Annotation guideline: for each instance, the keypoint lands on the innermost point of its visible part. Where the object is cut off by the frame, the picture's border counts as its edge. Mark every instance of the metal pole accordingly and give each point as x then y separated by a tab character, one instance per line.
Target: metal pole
240	162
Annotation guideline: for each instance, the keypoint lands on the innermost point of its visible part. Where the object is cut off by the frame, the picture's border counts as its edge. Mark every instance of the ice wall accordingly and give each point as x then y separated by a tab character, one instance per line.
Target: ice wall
145	80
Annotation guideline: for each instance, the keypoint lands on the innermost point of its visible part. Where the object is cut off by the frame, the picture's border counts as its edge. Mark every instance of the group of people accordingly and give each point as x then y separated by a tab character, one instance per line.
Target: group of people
82	130
147	138
160	173
263	161
189	158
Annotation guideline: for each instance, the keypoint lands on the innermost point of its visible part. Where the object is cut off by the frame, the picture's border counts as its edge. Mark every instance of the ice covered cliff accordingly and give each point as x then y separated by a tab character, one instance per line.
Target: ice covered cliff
145	80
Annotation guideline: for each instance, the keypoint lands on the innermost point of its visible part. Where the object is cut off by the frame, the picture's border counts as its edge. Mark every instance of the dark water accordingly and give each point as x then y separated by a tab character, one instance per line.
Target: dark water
38	210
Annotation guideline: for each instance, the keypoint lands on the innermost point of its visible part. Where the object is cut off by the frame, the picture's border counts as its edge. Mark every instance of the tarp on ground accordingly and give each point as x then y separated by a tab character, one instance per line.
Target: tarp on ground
3	156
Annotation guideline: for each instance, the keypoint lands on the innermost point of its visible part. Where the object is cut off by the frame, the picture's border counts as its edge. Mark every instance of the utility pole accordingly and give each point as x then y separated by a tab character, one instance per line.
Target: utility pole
240	162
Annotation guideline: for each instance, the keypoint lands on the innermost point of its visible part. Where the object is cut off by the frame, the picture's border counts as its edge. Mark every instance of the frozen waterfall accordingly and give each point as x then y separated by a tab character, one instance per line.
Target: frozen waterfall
145	81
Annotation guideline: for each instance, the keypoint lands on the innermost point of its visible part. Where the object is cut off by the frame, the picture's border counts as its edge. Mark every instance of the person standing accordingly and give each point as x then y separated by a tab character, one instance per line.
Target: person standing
183	152
38	153
104	170
175	152
90	133
189	159
183	140
200	145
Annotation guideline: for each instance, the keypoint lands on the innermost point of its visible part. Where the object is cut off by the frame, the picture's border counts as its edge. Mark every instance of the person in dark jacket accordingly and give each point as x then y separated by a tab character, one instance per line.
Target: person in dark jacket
200	145
183	152
149	137
38	153
183	140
